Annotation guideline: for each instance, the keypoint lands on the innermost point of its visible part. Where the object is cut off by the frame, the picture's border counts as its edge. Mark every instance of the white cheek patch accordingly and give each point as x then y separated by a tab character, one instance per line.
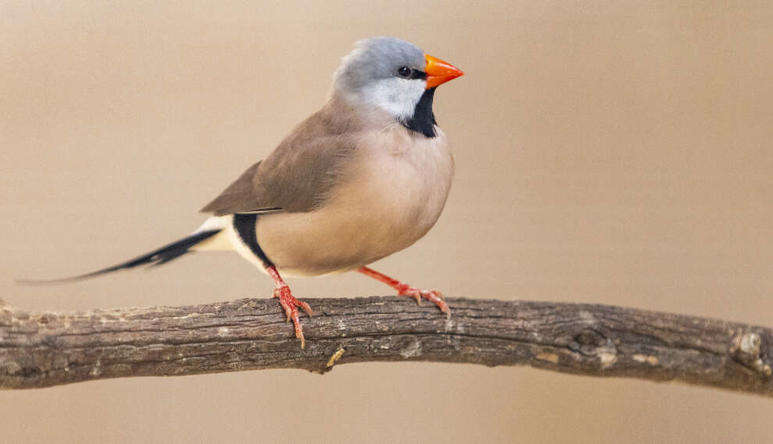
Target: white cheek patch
396	96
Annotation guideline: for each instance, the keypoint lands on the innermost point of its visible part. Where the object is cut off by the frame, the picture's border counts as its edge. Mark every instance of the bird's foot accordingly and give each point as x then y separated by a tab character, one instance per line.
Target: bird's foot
290	306
434	296
288	302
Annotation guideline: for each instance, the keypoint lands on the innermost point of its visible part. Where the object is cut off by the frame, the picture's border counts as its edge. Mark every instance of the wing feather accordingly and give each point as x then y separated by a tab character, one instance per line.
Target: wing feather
298	175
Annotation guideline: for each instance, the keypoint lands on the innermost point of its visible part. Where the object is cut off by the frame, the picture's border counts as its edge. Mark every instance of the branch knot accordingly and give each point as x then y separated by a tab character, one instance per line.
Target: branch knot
747	350
591	342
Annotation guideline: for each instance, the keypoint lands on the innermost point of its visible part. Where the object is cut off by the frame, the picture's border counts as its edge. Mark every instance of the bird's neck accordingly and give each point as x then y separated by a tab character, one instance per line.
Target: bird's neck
423	119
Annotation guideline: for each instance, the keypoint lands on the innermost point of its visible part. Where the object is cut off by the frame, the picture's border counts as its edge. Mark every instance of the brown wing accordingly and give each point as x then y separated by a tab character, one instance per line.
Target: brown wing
298	174
240	197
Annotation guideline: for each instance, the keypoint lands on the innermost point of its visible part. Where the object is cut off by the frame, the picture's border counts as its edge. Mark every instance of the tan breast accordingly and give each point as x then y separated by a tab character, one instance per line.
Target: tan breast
389	196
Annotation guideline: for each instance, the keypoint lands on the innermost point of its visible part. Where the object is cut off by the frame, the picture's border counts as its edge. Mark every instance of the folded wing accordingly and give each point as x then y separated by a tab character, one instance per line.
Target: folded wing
298	175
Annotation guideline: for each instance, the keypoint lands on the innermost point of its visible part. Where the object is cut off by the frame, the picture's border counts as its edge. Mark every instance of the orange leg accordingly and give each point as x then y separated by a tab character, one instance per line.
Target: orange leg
406	290
289	303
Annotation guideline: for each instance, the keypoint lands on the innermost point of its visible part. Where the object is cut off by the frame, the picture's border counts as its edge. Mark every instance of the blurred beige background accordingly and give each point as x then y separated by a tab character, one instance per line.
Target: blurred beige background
611	152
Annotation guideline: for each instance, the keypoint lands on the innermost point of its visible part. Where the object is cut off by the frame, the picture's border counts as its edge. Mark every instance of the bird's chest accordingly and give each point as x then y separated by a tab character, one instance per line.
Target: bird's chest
402	187
390	197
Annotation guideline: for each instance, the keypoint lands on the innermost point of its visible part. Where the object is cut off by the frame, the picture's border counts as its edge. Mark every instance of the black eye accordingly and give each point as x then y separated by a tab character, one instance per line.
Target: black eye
404	71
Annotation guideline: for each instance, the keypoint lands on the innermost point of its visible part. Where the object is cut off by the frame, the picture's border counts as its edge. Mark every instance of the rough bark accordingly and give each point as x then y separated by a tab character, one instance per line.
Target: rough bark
46	349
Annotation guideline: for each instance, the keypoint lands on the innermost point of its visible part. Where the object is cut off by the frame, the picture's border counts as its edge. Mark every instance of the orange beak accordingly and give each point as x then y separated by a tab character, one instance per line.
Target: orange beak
439	72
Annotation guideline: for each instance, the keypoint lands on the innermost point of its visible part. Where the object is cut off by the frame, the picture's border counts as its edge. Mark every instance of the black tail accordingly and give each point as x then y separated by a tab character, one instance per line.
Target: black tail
157	257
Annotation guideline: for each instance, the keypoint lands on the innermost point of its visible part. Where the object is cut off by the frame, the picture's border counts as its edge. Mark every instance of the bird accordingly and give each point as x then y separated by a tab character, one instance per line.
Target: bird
365	176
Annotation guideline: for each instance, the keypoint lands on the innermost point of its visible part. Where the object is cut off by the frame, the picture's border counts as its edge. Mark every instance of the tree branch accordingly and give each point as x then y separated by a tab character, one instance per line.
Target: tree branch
46	349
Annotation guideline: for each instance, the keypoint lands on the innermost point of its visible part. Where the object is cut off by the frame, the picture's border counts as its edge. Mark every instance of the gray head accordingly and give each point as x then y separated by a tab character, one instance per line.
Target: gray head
391	74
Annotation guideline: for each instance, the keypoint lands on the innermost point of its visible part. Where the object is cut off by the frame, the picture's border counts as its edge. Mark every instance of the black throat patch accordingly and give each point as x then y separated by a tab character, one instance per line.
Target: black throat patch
423	119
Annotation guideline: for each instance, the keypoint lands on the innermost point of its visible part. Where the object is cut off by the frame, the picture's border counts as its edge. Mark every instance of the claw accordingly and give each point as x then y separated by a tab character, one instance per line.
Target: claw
407	290
290	306
434	296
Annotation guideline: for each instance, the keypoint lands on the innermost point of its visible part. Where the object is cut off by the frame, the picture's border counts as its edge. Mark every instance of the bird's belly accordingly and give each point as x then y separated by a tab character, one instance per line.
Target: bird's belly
388	205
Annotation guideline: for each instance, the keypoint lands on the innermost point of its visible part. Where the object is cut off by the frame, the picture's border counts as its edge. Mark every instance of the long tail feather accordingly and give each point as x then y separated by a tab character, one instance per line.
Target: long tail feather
156	257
